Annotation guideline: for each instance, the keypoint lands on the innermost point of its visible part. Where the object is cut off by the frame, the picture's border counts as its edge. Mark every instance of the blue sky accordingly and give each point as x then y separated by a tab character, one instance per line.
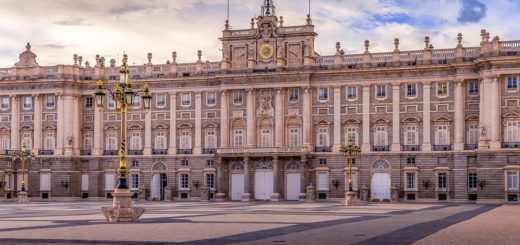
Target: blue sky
59	28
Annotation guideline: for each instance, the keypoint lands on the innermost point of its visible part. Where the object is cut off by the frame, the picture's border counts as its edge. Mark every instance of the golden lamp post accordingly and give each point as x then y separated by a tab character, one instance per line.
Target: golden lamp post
22	155
350	151
123	94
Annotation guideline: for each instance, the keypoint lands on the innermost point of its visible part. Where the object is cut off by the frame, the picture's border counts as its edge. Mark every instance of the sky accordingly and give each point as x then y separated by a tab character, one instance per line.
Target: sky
57	29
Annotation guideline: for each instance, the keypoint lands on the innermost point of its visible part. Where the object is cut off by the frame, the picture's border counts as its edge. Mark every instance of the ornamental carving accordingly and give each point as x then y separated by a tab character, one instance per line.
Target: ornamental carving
265	107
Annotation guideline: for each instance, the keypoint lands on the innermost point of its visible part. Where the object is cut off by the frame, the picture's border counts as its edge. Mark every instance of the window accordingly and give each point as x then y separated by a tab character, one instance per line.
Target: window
410	160
512	131
160	100
135	140
160	140
473	87
442	89
238	138
111	103
211	139
211	98
410	180
411	135
512	180
5	103
441	180
50	101
185	139
136	102
111	143
323	161
89	102
135	163
351	133
512	83
27	102
473	134
442	135
238	97
5	142
294	137
210	162
351	93
411	90
185	99
27	139
381	91
323	182
266	140
472	180
185	184
87	141
210	180
380	136
134	180
184	162
323	137
293	94
323	94
49	141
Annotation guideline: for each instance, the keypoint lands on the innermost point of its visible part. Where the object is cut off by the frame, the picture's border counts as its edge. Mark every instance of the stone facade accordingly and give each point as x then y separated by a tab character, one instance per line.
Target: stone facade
268	119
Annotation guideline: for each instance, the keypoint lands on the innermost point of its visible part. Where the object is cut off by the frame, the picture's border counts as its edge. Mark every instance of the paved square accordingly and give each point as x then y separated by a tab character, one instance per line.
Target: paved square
252	223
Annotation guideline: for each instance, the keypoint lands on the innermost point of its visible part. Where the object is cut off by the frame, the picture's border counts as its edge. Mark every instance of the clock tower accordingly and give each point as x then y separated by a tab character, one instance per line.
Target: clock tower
268	44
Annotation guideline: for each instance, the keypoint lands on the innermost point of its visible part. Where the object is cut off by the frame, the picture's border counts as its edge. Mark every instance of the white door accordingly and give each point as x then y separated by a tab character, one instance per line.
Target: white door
237	186
293	187
156	186
263	185
380	187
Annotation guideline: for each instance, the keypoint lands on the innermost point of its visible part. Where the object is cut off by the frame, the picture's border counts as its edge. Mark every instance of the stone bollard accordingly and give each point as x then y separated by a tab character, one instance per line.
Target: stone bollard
311	193
204	194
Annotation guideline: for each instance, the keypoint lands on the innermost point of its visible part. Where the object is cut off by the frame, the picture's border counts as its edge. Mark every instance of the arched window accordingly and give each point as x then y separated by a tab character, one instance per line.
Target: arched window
294	131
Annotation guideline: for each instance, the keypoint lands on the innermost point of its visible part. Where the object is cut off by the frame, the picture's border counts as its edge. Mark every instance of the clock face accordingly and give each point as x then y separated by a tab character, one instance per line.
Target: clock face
266	51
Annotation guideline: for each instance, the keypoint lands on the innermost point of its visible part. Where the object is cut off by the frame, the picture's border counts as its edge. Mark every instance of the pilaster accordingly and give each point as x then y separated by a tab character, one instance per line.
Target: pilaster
147	150
15	122
426	145
459	116
60	131
337	120
37	145
276	183
251	129
67	109
198	123
307	118
365	146
173	124
98	131
246	197
224	124
396	118
279	117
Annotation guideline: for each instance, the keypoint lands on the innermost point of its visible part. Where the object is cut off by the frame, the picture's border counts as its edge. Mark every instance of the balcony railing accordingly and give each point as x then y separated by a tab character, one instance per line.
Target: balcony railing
470	146
184	151
8	152
411	148
209	150
160	152
381	148
322	149
85	152
236	150
442	147
110	152
510	144
135	152
46	152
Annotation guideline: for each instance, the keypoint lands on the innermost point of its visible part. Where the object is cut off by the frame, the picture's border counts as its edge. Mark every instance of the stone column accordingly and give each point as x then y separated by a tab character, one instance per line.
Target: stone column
173	124
221	195
304	175
67	116
97	149
459	116
251	122
224	122
337	120
276	183
279	117
426	145
307	118
198	123
60	125
495	115
147	150
365	146
483	113
396	118
76	125
37	145
15	122
246	197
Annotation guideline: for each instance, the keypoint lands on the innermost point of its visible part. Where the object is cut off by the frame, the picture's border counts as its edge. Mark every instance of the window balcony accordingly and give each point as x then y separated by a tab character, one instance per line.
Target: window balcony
442	147
470	146
135	152
510	144
209	150
45	152
85	152
411	148
322	149
160	152
110	152
381	148
184	151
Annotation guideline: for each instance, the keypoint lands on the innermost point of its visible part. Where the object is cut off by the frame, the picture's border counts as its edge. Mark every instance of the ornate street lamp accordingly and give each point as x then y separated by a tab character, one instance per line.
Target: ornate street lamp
123	96
350	151
22	155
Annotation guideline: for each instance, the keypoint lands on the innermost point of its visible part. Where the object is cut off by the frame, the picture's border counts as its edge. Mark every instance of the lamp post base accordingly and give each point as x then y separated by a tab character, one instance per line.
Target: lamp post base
122	209
350	199
22	197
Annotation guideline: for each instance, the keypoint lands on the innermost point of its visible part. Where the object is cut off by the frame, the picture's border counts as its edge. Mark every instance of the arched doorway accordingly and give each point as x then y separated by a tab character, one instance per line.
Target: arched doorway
159	181
237	181
381	182
264	181
293	181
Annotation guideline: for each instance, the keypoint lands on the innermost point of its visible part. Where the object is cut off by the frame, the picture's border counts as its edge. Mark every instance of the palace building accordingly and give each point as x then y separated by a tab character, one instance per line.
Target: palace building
267	120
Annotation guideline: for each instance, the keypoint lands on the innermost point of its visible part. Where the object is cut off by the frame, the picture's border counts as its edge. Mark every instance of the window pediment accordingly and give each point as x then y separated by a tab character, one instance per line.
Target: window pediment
381	121
352	121
185	126
411	119
210	125
442	119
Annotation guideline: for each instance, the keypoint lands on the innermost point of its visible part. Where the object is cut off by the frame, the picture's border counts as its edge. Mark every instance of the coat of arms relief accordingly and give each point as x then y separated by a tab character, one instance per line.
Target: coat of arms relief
265	107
